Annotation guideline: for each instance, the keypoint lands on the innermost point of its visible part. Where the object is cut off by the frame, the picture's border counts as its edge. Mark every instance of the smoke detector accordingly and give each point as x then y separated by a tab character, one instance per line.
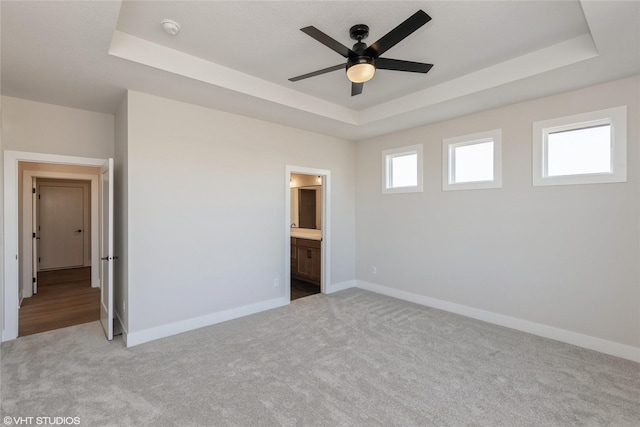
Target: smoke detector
170	26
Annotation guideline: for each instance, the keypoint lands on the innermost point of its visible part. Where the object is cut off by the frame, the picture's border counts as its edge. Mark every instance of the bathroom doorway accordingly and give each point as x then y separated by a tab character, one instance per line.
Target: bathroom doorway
307	244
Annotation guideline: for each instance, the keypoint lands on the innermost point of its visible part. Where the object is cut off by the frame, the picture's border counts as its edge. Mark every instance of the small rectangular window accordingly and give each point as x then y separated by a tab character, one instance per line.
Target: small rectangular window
579	151
585	148
472	161
402	170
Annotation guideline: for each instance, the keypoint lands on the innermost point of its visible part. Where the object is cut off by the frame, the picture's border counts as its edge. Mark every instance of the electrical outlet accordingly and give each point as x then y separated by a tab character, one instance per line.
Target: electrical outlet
124	306
276	282
374	269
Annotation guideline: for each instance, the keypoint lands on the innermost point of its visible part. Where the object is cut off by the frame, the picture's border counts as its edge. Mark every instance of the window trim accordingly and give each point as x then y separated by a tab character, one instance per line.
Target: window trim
450	144
388	155
615	117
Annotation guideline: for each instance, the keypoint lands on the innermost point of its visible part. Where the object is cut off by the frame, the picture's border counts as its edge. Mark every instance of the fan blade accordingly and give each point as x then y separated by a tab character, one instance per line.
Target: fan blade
356	88
396	35
328	41
317	73
399	65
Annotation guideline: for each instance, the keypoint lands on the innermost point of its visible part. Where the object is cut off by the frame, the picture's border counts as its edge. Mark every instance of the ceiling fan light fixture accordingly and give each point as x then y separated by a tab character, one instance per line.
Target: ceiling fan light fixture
360	69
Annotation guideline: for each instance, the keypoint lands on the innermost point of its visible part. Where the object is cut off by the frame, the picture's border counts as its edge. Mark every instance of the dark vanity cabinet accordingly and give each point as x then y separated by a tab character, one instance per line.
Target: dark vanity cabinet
306	260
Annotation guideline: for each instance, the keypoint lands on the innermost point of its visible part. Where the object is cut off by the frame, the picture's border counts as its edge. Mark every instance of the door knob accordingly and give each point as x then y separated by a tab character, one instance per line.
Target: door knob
78	231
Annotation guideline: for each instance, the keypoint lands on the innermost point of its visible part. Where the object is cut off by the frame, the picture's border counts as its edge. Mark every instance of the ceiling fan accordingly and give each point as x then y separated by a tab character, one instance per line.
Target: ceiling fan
362	61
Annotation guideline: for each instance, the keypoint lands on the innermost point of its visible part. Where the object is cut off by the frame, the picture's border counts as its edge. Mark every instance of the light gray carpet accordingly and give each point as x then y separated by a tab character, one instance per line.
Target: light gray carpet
353	358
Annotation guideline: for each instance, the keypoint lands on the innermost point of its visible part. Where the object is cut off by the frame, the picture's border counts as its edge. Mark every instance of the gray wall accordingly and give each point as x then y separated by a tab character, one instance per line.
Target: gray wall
188	180
206	210
562	256
52	129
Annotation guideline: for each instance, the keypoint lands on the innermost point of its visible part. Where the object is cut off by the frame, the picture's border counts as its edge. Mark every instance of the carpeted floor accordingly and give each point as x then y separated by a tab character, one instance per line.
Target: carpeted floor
353	358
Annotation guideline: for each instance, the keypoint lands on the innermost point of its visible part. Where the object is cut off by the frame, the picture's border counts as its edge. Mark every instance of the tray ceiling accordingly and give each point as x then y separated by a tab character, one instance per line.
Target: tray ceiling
238	56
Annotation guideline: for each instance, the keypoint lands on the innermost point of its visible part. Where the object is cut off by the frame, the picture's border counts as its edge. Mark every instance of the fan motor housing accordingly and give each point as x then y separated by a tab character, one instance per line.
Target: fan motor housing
360	60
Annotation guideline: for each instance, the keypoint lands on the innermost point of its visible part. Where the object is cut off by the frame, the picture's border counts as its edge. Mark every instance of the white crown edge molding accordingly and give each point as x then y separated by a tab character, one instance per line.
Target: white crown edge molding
144	52
552	57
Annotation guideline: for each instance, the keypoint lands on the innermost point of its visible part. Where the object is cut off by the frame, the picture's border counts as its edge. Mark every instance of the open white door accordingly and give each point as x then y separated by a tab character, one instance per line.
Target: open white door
35	236
106	248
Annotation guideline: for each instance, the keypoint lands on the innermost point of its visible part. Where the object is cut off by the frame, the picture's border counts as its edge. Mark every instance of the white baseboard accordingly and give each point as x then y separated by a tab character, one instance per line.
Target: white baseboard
340	286
140	337
135	338
586	341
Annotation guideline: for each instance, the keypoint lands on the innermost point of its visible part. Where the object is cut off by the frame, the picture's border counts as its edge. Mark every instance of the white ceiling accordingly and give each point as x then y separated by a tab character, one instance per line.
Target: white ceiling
237	56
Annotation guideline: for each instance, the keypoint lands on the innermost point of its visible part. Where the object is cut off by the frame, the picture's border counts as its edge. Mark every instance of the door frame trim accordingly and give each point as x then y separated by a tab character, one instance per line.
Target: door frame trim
325	247
11	232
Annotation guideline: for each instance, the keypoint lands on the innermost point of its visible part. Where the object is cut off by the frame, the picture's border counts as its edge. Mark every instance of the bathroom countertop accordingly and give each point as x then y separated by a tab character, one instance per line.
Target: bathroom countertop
306	233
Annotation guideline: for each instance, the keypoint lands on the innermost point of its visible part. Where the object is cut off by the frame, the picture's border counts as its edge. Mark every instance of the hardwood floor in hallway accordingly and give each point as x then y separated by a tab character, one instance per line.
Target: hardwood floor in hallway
64	298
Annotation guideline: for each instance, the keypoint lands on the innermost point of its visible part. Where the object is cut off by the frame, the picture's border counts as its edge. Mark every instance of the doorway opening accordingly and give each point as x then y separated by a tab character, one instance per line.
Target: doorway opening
60	291
22	171
307	243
